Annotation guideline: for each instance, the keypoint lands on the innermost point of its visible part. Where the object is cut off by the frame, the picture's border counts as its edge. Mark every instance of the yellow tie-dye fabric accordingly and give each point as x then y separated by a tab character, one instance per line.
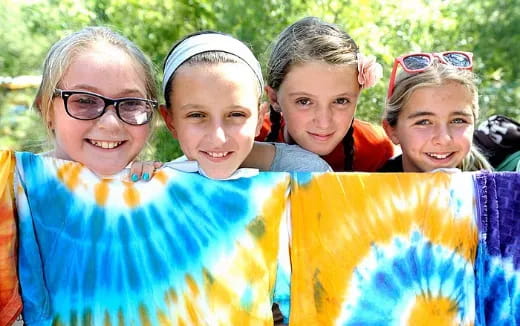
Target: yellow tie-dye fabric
10	302
382	249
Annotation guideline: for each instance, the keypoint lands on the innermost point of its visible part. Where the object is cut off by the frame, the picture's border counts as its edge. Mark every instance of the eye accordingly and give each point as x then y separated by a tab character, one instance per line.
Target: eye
84	99
237	114
342	101
195	115
460	121
303	101
423	122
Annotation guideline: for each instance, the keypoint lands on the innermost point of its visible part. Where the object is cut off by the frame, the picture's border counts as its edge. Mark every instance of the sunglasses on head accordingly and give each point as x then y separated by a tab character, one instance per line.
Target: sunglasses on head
419	62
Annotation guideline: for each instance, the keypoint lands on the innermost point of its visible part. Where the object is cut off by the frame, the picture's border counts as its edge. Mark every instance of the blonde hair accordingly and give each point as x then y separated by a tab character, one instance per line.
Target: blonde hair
437	75
65	50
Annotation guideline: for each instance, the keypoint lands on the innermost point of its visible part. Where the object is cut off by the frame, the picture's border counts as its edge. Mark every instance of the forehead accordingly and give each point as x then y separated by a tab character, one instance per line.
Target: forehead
103	65
314	74
237	75
448	97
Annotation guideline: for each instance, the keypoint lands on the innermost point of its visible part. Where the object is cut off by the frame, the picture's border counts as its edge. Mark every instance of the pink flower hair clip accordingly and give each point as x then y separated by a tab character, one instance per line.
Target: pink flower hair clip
370	72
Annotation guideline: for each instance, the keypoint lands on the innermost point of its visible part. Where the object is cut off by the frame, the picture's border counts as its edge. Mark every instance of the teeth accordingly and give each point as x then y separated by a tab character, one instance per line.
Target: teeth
106	144
217	154
438	156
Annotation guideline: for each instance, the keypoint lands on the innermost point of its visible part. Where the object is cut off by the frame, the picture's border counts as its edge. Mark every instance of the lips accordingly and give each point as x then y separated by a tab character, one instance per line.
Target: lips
104	144
217	154
440	156
321	136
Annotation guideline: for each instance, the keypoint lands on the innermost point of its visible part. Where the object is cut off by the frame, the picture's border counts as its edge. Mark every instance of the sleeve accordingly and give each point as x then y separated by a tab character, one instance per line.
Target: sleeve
372	148
293	158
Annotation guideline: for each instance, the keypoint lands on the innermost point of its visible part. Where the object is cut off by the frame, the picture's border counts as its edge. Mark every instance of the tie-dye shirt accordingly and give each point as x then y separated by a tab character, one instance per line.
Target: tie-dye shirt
178	250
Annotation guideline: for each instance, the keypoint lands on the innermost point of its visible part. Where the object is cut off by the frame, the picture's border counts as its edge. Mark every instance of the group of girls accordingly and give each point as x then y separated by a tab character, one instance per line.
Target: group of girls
98	100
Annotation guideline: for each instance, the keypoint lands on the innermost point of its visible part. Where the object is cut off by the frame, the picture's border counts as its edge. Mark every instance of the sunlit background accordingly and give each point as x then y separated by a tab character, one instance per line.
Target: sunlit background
386	29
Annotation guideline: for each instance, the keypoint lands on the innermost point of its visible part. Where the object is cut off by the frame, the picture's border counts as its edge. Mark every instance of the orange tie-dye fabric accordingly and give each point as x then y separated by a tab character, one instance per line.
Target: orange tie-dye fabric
10	302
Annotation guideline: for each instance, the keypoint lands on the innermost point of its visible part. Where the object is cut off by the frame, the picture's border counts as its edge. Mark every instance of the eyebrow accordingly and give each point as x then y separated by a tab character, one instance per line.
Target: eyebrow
310	95
125	92
429	113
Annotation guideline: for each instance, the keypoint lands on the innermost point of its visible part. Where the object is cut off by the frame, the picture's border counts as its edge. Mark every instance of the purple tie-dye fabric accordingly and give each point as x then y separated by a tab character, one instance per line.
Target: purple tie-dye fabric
498	258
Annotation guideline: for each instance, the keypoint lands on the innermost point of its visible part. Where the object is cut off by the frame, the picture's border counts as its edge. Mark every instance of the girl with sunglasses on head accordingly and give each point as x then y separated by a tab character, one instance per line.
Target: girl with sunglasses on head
314	79
431	110
97	99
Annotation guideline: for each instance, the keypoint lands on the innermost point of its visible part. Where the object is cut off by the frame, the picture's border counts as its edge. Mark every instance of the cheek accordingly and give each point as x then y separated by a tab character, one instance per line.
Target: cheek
343	118
297	119
140	134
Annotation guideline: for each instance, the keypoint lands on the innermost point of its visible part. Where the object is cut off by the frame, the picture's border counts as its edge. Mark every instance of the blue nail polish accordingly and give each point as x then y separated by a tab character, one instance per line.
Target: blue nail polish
146	176
135	177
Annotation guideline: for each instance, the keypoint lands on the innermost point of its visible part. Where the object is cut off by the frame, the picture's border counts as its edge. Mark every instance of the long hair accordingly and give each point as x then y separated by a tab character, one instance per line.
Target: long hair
309	39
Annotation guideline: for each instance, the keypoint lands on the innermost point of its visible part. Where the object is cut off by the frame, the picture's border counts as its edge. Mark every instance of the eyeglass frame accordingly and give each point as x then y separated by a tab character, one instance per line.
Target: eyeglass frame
431	56
66	94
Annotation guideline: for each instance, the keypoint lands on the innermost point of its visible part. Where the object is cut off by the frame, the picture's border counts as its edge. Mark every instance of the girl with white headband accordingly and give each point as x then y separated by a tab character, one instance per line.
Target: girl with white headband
212	87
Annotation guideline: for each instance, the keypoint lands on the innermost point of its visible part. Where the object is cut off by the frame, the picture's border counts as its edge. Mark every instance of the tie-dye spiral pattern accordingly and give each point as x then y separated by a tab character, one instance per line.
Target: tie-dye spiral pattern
179	250
10	302
498	259
382	249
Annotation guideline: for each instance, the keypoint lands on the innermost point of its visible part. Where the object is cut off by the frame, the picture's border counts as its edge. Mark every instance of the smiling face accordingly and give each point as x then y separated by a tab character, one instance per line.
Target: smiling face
105	145
318	101
434	128
214	115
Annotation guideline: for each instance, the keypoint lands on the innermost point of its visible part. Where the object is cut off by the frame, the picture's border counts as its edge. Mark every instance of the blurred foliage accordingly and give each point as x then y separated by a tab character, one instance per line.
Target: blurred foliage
385	28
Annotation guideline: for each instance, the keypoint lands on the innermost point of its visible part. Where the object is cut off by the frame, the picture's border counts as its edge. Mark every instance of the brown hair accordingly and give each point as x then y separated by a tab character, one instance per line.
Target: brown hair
310	39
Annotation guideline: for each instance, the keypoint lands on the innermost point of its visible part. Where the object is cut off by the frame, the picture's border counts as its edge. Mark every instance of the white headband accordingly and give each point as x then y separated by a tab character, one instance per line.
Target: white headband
209	42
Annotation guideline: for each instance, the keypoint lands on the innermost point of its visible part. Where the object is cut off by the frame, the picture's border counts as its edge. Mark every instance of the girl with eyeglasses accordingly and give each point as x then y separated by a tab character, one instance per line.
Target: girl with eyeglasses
97	99
315	75
431	110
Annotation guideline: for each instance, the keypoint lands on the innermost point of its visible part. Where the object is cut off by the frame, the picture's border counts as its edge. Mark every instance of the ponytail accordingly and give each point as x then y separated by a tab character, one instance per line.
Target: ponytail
348	149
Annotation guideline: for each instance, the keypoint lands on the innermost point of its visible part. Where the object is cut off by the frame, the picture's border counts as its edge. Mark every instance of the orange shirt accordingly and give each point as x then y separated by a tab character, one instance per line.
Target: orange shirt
372	148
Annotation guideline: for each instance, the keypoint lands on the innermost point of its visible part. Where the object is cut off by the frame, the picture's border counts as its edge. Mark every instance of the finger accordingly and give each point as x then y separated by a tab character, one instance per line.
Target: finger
136	171
157	165
148	169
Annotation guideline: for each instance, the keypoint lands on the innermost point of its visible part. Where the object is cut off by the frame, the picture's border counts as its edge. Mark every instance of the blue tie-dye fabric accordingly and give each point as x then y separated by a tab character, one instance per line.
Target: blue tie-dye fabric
112	252
498	258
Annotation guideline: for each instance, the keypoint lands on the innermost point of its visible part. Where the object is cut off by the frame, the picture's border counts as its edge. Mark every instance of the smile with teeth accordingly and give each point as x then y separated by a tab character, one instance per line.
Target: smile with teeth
217	154
439	156
105	144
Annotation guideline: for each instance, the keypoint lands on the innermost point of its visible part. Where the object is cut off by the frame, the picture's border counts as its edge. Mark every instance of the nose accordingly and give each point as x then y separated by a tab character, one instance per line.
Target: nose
109	119
323	117
442	135
217	134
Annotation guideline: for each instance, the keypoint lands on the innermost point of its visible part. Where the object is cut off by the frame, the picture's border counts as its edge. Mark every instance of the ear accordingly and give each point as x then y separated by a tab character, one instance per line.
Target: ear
391	132
262	110
167	116
273	98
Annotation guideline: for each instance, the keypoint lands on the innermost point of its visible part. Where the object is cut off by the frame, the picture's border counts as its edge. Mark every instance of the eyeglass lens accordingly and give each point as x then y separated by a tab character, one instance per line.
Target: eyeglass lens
415	62
86	107
457	59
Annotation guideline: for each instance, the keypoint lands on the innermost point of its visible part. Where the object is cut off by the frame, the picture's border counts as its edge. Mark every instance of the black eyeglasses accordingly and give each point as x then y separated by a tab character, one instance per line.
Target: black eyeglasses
89	106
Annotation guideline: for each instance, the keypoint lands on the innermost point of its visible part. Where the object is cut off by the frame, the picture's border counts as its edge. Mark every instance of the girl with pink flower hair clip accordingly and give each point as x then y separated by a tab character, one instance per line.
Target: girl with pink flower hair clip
315	74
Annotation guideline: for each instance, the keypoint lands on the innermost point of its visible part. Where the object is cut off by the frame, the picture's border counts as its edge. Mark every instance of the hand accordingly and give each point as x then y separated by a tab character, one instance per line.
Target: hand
143	170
